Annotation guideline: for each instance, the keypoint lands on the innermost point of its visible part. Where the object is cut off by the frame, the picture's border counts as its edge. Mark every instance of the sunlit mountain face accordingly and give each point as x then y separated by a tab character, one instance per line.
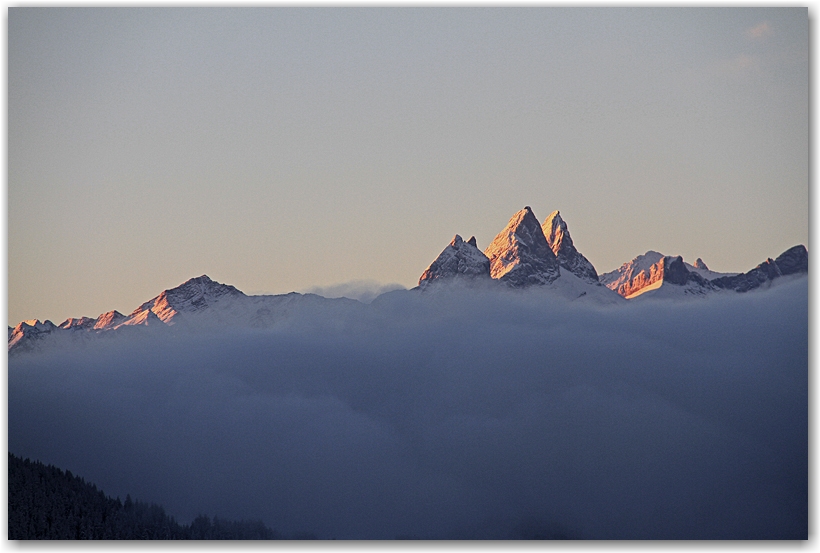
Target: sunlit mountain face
514	394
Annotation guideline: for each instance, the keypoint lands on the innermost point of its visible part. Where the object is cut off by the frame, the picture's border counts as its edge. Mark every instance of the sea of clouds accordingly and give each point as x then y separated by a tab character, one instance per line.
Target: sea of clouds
455	414
363	290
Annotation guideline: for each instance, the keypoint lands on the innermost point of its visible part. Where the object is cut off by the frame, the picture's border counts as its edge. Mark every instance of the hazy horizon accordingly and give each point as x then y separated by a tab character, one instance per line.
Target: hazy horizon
282	149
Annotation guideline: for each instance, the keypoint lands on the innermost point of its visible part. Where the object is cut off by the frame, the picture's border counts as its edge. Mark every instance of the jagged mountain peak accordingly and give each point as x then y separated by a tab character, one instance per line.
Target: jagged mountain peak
520	255
29	330
460	260
522	219
191	296
109	320
555	230
560	242
204	285
36	324
699	264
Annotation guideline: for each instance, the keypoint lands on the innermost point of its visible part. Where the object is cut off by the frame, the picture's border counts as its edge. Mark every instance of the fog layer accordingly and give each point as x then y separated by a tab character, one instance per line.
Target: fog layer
363	290
458	414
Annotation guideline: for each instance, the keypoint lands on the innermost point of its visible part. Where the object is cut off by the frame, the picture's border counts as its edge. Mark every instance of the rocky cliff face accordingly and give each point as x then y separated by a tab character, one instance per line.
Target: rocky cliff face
652	270
674	271
560	242
520	255
631	277
459	260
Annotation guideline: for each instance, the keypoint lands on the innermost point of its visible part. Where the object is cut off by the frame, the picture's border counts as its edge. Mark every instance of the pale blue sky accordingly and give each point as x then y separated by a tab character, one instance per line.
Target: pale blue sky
283	149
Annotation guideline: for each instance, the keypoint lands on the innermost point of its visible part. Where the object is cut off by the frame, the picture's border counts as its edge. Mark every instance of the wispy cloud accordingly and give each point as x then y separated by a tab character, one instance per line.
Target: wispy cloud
363	290
759	31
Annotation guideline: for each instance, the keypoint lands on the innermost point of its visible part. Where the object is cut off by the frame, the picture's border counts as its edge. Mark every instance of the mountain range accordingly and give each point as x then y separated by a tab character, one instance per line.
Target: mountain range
524	254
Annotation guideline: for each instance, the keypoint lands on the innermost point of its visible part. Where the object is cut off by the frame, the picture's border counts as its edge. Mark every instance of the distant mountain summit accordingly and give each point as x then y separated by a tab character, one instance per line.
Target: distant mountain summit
520	255
560	242
191	296
108	320
459	260
28	331
633	275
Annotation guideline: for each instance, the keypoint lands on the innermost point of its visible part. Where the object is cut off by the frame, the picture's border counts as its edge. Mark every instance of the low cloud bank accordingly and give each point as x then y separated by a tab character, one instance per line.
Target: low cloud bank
363	290
461	414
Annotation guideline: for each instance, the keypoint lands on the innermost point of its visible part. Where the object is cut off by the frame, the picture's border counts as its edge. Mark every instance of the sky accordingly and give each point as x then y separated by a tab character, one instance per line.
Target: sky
281	149
462	413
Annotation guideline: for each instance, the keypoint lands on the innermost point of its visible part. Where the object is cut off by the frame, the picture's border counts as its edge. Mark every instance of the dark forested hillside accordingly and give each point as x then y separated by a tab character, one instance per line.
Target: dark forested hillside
48	503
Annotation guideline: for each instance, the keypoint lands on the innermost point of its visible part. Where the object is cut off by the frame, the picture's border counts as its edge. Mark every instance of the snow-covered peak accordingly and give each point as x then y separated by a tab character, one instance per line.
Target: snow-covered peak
27	331
630	277
459	259
81	323
35	324
109	320
519	255
699	264
560	242
189	297
652	270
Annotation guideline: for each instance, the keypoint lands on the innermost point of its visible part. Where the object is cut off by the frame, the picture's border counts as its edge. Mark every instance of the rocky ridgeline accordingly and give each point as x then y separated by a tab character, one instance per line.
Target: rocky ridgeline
193	295
653	268
524	254
527	254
